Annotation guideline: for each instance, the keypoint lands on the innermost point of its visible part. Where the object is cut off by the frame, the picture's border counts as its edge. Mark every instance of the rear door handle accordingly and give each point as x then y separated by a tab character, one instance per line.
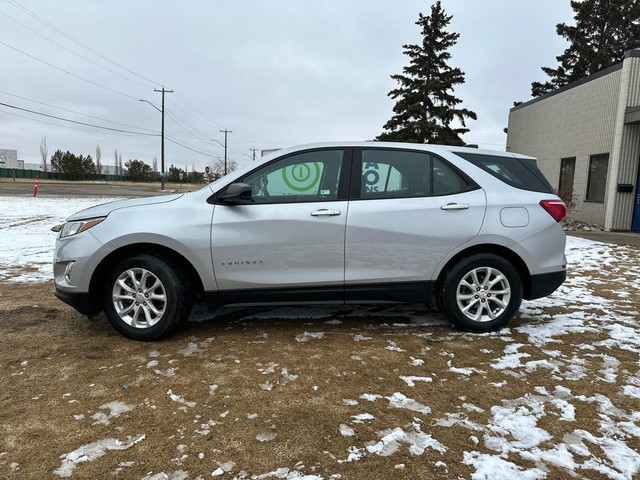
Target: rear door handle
323	212
455	206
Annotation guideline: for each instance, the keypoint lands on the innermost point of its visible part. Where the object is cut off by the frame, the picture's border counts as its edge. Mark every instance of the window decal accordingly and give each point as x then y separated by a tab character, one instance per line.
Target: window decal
301	177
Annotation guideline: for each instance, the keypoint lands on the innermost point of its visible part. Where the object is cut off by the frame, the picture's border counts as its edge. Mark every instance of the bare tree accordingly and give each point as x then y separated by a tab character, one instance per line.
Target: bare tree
115	154
98	162
120	165
217	170
155	167
44	152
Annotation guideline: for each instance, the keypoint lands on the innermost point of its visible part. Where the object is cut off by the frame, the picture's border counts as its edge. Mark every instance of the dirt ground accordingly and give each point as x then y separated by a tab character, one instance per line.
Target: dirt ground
24	187
282	393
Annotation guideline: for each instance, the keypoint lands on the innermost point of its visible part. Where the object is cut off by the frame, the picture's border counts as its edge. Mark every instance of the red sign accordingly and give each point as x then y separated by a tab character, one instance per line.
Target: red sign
207	169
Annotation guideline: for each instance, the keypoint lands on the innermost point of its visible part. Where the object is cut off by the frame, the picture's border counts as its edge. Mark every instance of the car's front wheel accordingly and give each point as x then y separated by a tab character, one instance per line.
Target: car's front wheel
145	297
481	293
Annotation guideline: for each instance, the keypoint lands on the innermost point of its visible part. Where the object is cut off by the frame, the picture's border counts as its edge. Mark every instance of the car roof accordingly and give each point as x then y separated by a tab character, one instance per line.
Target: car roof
414	146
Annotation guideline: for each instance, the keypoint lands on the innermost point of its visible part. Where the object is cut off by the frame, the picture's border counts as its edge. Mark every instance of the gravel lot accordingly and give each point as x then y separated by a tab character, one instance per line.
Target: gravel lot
322	392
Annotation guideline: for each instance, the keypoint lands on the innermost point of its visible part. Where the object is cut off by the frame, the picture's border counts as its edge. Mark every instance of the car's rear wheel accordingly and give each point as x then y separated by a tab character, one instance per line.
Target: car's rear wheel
481	293
145	297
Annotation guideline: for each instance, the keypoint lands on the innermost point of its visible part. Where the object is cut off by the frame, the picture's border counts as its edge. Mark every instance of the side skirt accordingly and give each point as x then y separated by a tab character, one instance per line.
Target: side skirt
374	293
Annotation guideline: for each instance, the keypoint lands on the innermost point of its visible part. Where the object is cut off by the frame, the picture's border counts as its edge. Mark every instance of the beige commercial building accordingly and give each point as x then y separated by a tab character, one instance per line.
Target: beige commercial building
586	137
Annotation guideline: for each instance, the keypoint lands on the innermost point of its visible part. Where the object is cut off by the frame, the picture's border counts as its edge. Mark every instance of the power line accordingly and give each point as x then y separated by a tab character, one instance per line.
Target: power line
192	149
73	111
68	72
78	42
184	100
58	124
193	130
78	123
202	136
225	148
71	51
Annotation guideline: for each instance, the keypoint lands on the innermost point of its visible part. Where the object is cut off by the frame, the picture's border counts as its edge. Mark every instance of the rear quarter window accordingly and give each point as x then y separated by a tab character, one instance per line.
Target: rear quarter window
517	172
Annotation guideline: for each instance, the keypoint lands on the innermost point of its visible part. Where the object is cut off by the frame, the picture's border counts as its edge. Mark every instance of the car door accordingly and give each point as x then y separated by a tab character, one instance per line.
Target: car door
407	211
287	245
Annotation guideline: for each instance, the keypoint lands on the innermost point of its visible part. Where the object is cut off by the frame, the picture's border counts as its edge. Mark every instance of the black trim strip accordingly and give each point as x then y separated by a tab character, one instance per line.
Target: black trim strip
544	284
84	303
397	292
329	293
385	292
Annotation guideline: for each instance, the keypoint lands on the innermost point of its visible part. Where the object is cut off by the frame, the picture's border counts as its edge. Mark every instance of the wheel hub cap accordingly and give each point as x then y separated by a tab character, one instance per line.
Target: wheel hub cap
139	298
483	294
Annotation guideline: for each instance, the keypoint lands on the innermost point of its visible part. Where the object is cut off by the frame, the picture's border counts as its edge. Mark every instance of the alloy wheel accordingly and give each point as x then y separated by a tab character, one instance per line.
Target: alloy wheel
483	294
139	298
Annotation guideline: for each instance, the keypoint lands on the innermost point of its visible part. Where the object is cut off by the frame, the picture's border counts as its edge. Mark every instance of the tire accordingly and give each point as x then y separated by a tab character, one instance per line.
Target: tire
162	299
482	293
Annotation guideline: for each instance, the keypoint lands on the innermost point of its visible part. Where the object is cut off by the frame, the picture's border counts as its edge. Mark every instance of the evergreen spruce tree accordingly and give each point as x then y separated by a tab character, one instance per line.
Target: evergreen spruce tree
425	105
604	31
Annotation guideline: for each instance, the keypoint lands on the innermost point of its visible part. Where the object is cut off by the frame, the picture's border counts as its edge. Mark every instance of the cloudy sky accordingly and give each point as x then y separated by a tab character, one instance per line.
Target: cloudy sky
275	72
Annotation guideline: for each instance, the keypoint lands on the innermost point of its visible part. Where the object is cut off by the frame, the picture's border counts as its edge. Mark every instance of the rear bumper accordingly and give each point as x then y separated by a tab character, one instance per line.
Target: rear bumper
545	284
84	303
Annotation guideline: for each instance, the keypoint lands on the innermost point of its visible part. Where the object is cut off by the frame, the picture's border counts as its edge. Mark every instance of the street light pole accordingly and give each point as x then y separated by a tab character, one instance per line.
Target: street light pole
162	133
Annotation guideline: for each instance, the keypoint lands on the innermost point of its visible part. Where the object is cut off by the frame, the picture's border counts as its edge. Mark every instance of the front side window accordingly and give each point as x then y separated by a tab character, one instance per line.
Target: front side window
596	185
305	177
401	174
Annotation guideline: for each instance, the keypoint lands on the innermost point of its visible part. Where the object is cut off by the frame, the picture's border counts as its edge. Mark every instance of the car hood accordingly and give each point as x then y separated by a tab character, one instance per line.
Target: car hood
106	208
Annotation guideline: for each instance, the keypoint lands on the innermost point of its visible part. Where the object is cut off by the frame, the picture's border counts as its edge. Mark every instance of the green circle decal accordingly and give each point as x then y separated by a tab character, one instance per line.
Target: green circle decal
301	177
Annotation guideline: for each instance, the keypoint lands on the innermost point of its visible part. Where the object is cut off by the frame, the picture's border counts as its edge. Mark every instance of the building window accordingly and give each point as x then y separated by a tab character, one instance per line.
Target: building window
567	171
598	166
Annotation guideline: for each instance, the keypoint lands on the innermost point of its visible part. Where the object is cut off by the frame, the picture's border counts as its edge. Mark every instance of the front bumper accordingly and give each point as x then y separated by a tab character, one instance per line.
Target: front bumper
84	303
544	284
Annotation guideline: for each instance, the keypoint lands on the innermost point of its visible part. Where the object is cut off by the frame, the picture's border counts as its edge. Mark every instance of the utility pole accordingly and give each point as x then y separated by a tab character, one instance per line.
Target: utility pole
162	134
225	131
254	150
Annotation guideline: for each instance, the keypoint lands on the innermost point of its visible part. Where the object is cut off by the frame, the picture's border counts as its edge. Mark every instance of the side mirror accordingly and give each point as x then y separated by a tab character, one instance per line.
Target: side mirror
236	194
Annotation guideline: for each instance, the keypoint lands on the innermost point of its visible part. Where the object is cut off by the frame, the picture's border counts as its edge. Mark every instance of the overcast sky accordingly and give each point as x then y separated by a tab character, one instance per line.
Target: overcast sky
276	73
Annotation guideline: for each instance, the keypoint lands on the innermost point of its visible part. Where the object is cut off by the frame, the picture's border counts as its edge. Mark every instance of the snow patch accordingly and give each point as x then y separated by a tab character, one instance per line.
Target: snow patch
87	453
306	336
115	410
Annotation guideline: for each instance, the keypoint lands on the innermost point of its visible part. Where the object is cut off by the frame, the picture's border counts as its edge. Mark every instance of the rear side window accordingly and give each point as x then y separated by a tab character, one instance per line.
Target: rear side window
517	172
403	174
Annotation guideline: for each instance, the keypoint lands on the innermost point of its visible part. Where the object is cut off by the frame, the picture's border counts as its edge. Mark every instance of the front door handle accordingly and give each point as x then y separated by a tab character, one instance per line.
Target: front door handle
324	212
455	206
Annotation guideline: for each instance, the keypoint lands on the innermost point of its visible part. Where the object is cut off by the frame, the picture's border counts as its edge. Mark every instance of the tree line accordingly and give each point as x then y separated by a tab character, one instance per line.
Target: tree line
80	166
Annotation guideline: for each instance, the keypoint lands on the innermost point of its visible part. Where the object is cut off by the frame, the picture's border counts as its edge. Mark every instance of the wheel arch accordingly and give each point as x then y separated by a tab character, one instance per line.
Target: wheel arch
494	249
161	251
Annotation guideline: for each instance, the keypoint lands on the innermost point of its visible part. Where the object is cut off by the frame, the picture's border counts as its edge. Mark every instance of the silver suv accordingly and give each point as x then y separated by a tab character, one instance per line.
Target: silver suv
346	223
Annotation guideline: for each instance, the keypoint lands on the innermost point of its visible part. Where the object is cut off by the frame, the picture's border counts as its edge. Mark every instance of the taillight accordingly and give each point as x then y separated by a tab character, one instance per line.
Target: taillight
556	208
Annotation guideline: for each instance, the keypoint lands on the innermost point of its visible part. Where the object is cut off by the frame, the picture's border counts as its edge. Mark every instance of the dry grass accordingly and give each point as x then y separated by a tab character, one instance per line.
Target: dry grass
74	366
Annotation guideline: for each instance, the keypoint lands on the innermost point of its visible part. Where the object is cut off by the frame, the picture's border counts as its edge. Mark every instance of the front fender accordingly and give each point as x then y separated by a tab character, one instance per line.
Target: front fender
200	259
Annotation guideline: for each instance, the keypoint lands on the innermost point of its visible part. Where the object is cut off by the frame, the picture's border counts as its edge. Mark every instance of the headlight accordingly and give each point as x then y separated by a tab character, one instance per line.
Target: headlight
71	228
